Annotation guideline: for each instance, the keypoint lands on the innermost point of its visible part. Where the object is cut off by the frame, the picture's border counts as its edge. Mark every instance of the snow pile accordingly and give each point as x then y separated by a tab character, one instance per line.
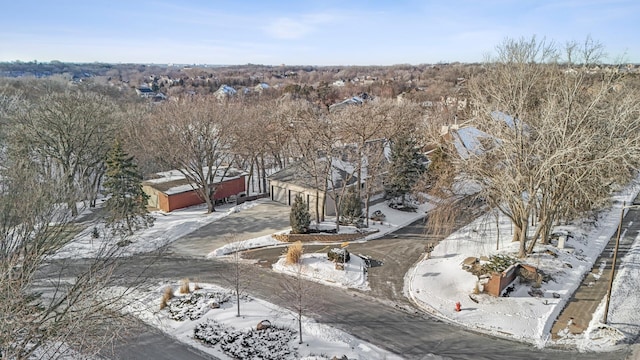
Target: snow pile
262	241
219	332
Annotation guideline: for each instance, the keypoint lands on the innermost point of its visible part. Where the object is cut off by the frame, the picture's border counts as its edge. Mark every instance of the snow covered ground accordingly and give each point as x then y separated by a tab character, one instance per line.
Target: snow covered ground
320	341
319	268
437	283
167	227
237	335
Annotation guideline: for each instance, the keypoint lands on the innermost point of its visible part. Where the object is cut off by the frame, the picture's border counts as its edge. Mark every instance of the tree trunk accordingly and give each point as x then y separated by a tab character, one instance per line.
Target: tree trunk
300	326
210	200
317	208
71	203
251	177
323	205
366	204
337	204
264	174
522	249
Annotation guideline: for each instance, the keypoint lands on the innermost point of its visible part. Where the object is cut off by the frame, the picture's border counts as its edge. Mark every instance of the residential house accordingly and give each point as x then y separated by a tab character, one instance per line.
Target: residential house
298	178
145	92
224	91
469	140
171	190
355	100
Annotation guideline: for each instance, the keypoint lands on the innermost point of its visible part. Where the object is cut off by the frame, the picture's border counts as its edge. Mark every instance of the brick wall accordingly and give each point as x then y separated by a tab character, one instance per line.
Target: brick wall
333	238
499	281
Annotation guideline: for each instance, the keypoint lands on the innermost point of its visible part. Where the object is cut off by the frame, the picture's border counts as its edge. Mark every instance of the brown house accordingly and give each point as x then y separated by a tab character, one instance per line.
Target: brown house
170	190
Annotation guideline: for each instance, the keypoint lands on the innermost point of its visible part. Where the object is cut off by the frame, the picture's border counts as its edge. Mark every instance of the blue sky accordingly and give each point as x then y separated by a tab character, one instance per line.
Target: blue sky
321	32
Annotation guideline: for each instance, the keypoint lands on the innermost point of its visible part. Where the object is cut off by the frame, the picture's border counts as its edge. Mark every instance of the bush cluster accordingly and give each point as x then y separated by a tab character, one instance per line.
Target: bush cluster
339	255
498	263
268	344
194	305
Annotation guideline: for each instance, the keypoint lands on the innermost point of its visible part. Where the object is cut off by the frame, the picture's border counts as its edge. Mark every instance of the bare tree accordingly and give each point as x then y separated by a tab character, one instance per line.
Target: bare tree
555	140
261	140
298	294
68	134
48	306
239	279
311	139
195	137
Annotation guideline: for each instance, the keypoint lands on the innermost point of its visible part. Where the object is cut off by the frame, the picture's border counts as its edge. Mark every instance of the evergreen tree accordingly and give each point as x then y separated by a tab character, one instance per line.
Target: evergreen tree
351	207
405	168
299	217
126	204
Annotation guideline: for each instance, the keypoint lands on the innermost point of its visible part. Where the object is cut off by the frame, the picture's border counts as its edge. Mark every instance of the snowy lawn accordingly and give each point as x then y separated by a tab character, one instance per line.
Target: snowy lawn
206	319
317	267
528	312
167	228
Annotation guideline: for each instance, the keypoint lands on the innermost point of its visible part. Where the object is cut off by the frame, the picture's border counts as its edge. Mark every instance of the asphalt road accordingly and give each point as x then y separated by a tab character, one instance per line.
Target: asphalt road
400	329
391	257
150	343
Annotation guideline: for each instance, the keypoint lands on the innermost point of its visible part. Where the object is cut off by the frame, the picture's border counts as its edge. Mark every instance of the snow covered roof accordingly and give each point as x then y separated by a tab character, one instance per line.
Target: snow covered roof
355	100
174	182
467	141
225	90
507	119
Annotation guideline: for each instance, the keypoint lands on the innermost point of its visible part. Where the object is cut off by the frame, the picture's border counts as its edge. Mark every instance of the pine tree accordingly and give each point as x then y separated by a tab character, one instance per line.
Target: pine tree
405	168
299	217
351	207
126	203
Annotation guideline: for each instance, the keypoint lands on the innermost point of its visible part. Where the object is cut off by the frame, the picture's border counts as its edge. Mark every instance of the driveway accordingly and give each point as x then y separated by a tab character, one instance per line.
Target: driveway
263	219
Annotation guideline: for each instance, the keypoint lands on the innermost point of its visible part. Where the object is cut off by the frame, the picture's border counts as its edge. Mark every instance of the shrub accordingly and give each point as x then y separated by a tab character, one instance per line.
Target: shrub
498	263
339	255
194	305
351	207
299	218
476	288
184	286
166	296
294	253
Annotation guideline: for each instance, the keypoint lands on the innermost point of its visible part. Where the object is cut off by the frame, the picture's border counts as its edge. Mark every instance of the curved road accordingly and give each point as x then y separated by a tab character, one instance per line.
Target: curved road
382	316
398	329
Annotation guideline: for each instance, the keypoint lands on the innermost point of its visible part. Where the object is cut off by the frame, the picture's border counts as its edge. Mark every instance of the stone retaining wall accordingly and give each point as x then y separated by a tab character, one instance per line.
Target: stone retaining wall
332	238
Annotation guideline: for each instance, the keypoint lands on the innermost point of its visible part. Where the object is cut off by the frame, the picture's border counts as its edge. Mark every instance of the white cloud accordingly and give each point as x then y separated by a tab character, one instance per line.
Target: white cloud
286	28
290	28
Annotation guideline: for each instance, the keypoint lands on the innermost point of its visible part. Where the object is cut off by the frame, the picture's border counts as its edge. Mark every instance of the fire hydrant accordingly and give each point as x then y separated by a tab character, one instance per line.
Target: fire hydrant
458	306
